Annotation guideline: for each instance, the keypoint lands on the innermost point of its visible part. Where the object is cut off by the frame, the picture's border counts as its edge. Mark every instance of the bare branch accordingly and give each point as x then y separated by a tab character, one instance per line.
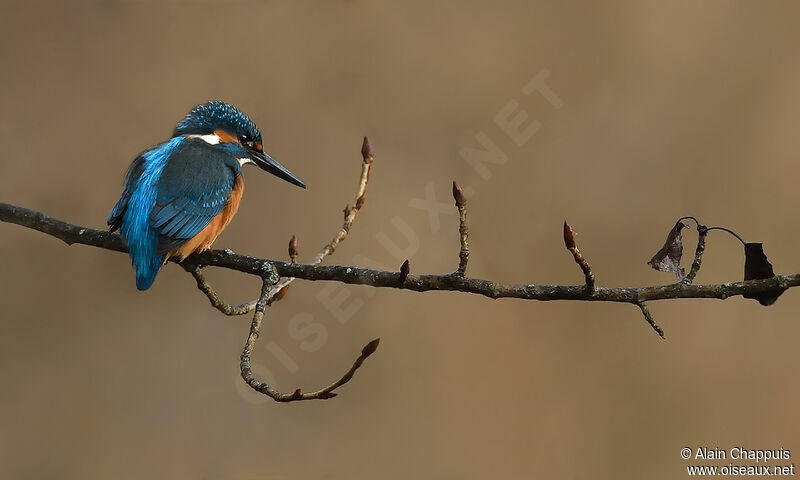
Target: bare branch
262	387
73	234
66	232
276	276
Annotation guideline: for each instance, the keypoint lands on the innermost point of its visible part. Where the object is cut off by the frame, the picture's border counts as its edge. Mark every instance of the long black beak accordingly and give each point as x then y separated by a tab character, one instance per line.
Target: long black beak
269	164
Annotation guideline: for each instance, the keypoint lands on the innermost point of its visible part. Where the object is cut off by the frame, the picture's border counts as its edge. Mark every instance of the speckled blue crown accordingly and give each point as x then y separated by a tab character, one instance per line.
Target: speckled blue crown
204	119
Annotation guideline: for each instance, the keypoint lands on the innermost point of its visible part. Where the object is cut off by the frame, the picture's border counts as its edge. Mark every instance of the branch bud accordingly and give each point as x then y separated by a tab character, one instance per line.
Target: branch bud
569	236
370	348
458	195
293	248
366	150
405	268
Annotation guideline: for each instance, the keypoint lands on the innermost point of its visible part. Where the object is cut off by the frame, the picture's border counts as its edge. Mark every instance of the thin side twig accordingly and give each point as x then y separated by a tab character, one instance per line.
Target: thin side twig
569	242
463	231
350	214
649	318
702	233
214	298
262	387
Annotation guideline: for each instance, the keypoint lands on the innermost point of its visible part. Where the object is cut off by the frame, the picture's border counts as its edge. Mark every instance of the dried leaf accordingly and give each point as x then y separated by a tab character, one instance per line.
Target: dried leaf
281	293
756	266
668	259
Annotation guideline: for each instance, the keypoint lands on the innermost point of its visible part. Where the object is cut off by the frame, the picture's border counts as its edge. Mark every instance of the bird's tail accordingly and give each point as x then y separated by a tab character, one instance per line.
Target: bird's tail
142	247
146	270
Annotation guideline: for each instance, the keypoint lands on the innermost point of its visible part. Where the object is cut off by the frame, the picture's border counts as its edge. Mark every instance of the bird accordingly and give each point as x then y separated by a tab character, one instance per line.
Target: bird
179	195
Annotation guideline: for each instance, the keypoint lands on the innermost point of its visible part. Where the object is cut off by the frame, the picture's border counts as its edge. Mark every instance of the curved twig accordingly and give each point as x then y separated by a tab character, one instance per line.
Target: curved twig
268	283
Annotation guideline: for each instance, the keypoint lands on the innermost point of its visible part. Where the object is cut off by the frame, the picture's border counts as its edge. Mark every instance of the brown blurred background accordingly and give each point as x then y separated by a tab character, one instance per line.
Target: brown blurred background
688	108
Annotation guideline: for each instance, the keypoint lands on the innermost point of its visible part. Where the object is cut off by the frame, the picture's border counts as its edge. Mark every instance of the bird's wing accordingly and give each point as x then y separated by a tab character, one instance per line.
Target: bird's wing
131	178
193	188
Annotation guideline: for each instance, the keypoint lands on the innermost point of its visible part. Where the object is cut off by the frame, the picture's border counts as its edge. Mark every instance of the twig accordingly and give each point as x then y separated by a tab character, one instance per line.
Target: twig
569	242
350	215
217	302
649	317
264	388
702	233
463	232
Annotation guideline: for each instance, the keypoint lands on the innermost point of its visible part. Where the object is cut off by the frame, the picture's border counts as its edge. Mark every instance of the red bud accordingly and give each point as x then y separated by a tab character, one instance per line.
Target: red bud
366	149
293	248
405	268
458	195
370	348
569	236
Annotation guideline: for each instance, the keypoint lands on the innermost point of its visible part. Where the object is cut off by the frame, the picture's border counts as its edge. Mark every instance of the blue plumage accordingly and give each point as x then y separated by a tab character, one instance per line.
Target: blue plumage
173	191
193	188
135	213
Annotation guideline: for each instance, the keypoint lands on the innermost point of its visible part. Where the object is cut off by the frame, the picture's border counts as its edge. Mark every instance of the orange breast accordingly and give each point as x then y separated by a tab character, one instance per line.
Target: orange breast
204	239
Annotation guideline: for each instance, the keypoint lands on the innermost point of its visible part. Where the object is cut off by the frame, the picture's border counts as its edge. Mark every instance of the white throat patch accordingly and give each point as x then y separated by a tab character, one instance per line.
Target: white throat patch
244	161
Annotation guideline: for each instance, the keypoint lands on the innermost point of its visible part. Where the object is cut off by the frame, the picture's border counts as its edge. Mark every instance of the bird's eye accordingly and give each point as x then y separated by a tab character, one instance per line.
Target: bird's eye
247	141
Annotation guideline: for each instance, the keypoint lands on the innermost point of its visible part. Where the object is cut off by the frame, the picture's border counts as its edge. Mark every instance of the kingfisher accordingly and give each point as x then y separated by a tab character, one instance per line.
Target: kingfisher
179	195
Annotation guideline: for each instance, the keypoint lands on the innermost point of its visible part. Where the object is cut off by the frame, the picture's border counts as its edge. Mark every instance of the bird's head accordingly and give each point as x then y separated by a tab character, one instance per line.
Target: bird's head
222	124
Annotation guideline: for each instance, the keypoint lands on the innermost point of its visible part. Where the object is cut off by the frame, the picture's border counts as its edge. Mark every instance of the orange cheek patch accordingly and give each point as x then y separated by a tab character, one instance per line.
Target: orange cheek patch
225	137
